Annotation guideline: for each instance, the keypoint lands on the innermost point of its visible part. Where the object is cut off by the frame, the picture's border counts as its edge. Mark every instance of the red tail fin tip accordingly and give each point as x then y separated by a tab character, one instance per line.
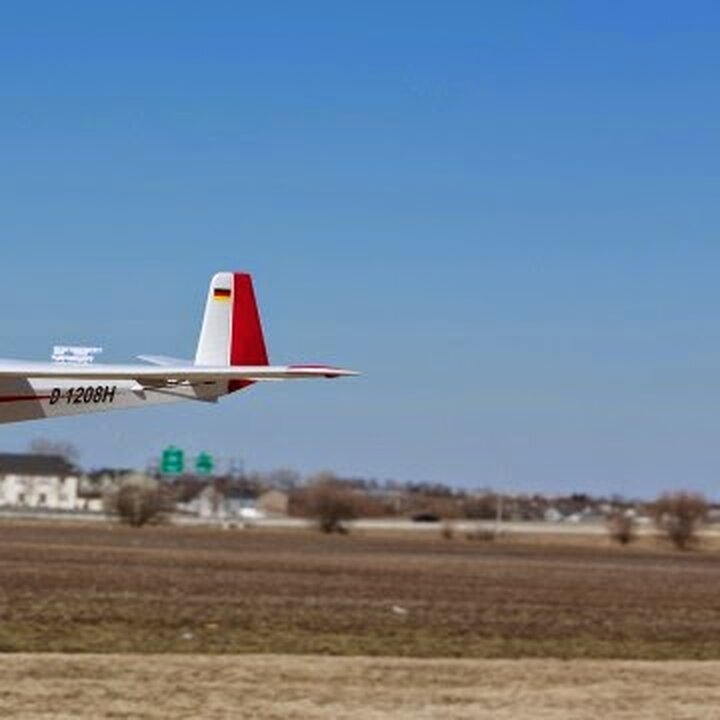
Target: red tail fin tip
247	343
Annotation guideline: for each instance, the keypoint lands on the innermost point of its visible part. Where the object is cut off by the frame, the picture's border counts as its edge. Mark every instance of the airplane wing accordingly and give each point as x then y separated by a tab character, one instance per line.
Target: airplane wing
163	360
166	373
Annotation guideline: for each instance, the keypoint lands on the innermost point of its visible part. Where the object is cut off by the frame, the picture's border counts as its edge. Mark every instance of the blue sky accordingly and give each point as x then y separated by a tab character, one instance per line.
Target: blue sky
504	214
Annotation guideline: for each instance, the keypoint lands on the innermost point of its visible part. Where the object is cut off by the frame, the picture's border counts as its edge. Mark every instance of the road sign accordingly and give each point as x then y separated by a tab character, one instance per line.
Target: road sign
173	461
204	464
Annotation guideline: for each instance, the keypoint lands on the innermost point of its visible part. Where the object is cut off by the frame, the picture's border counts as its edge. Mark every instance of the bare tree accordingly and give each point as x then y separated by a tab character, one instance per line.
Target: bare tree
480	506
283	479
43	446
329	502
679	515
139	500
622	525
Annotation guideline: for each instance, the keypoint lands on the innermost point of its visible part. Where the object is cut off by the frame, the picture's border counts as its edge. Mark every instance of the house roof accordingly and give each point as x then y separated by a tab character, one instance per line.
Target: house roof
35	465
112	473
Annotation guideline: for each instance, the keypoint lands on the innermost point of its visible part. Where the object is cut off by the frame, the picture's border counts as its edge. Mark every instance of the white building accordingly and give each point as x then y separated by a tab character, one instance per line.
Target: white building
213	504
38	481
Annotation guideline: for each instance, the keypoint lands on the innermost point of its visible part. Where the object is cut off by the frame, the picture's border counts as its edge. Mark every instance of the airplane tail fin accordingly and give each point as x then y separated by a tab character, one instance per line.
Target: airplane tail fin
231	331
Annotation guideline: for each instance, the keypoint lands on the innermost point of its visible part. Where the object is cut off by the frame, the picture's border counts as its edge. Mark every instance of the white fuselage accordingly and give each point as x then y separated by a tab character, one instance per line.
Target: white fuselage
37	398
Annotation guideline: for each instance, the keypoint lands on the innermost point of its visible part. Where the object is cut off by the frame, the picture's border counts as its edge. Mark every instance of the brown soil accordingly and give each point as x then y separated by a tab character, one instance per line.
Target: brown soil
109	589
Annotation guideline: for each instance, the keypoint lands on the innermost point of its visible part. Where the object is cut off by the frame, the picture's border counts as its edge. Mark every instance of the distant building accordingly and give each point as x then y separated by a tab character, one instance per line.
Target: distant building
552	514
210	503
273	503
213	503
38	481
95	485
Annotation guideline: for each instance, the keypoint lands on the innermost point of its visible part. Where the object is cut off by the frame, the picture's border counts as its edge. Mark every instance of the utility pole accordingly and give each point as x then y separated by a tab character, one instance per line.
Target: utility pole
498	512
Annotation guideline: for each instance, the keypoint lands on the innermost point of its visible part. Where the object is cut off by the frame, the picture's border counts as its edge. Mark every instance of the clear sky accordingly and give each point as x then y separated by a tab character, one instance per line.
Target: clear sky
504	213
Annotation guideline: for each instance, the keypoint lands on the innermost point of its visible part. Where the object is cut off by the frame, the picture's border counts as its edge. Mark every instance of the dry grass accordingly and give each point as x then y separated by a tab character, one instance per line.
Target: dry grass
111	589
320	688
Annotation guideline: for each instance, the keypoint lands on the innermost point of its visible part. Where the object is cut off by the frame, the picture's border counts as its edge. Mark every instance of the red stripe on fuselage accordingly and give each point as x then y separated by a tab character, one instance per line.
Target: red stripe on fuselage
23	398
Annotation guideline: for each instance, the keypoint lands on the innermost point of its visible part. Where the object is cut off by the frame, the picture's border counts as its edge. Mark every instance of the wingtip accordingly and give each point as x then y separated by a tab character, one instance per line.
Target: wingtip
338	372
325	371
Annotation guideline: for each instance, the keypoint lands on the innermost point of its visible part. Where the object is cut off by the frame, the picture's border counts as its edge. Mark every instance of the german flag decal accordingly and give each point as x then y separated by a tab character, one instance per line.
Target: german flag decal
222	294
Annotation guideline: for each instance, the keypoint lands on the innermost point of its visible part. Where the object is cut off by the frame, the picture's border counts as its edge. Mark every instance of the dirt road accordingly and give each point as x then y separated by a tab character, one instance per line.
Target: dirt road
323	688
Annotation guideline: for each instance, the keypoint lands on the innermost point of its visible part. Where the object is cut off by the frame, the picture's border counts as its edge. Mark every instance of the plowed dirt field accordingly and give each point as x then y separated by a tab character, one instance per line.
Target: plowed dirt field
110	589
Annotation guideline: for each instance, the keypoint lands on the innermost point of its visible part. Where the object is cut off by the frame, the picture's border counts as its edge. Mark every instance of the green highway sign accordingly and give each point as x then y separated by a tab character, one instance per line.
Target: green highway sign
204	464
173	461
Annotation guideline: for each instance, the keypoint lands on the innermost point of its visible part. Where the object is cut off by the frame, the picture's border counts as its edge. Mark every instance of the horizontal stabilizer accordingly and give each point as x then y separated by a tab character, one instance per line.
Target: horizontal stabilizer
168	373
163	360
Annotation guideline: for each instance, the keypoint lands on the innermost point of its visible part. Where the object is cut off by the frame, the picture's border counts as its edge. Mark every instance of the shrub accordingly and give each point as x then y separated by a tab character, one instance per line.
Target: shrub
679	515
139	501
482	534
330	503
448	531
622	526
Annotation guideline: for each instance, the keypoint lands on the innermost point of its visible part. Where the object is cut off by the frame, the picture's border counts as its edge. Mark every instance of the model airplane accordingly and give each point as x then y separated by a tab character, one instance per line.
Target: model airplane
231	355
